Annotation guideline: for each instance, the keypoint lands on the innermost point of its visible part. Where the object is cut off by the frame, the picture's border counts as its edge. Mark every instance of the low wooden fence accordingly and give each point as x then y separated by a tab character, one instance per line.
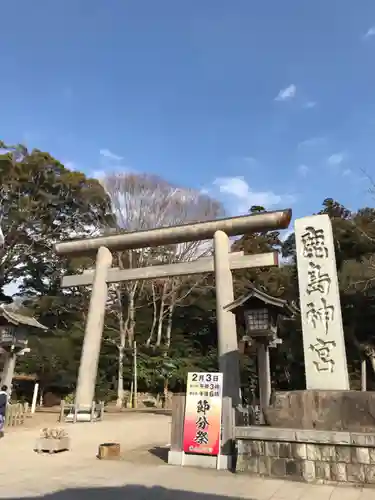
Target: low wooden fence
16	414
249	415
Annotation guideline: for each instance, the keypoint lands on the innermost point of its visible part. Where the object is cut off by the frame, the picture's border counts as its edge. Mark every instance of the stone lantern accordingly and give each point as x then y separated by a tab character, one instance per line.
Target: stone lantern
260	314
14	328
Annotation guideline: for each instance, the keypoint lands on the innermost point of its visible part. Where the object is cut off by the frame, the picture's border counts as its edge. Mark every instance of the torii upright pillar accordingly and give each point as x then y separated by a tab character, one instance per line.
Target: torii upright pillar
88	367
229	364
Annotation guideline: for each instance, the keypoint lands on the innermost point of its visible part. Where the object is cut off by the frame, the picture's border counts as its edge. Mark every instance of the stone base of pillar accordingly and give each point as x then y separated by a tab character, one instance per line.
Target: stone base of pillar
225	462
80	416
83	414
222	462
175	457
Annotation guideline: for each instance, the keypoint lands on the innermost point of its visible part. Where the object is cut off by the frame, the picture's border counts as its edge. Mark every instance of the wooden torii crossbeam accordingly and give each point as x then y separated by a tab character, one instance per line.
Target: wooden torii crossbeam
237	260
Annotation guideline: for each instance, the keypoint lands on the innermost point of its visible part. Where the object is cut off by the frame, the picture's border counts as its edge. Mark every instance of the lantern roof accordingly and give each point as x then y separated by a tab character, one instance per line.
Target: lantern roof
247	300
19	319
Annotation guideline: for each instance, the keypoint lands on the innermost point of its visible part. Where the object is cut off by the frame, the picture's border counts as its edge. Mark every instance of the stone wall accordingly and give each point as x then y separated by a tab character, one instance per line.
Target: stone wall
306	455
351	411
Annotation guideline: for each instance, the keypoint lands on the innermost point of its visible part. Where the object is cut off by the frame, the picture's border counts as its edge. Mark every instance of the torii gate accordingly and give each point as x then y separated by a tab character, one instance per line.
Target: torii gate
221	264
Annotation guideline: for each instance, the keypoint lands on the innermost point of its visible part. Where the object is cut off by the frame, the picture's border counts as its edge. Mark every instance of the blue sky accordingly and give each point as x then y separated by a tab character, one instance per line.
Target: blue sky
257	102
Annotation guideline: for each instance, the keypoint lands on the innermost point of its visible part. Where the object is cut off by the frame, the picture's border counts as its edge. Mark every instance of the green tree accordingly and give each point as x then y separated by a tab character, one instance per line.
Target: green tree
354	241
41	203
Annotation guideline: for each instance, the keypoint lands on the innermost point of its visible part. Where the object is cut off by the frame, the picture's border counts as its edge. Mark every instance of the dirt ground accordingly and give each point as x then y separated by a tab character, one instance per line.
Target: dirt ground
140	474
37	420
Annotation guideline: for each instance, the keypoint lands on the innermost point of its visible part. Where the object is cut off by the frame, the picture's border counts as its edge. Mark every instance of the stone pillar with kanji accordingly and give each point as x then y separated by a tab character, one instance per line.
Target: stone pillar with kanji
322	328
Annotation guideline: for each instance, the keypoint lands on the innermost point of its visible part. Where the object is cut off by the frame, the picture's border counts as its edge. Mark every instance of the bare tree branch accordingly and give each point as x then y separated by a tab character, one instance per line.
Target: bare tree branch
142	202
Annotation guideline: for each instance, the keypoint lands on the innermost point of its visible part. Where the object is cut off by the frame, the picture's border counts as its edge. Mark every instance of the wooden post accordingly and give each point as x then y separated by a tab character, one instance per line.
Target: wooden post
19	414
135	376
264	377
363	375
131	399
8	370
177	425
92	415
75	409
35	397
62	411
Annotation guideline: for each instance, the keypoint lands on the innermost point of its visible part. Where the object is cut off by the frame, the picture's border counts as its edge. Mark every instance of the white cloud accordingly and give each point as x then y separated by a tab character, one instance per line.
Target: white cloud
310	104
111	156
97	174
236	186
370	32
250	160
311	142
303	170
336	159
245	197
101	174
287	93
346	172
70	165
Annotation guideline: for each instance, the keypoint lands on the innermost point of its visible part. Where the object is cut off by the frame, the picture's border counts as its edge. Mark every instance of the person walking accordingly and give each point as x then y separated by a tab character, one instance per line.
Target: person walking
3	407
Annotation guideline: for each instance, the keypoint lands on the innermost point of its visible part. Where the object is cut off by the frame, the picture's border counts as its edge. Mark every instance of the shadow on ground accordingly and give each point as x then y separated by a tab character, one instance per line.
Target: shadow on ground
160	452
131	492
147	456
